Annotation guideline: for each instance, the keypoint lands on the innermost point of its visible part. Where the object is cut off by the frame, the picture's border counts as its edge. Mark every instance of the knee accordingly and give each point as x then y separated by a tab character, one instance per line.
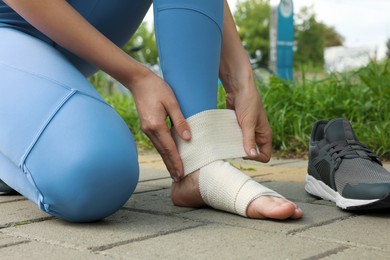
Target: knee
84	167
97	181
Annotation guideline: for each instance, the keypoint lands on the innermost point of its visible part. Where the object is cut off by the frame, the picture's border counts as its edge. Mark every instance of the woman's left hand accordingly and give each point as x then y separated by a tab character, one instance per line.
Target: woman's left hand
243	97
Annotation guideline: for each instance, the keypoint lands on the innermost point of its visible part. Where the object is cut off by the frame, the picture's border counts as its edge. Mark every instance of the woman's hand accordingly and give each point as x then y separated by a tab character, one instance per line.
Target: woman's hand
243	97
155	101
236	75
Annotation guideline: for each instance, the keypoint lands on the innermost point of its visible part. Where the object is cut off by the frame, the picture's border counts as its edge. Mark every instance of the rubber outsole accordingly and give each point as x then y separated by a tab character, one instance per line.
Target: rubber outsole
319	189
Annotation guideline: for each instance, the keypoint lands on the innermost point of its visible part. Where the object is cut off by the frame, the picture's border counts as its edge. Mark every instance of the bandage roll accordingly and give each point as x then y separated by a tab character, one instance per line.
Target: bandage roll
216	135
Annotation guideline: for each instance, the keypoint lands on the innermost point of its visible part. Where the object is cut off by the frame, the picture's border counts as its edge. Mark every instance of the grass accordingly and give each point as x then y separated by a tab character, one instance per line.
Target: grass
362	96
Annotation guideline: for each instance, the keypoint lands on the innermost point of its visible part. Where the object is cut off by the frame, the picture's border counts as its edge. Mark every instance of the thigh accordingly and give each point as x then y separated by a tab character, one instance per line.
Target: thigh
61	145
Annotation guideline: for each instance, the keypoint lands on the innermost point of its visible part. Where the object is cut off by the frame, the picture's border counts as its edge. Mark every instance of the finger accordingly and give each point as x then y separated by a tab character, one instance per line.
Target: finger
265	149
178	120
248	132
166	147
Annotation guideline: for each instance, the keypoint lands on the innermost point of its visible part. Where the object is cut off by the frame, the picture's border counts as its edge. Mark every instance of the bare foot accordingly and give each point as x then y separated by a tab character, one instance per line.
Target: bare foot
273	207
186	194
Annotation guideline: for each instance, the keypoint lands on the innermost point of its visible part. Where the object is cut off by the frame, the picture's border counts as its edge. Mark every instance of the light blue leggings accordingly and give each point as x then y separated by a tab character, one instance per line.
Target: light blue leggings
61	145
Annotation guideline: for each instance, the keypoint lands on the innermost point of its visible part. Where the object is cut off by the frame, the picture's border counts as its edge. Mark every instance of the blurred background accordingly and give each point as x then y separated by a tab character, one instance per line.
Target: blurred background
340	67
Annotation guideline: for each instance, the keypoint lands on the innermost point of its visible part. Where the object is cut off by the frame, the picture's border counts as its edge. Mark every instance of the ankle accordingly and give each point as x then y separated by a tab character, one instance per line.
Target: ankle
186	192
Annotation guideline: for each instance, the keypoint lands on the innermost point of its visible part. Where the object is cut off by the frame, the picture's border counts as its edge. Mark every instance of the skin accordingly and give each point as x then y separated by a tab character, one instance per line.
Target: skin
155	99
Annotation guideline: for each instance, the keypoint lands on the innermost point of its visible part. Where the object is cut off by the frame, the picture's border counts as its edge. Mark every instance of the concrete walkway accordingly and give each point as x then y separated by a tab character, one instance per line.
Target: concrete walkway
150	227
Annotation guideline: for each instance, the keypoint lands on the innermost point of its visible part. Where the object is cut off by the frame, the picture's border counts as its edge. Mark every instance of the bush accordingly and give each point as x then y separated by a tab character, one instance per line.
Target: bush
361	96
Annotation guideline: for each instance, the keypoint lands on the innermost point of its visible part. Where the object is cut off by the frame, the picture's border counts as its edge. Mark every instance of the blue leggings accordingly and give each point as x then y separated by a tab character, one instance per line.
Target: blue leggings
61	145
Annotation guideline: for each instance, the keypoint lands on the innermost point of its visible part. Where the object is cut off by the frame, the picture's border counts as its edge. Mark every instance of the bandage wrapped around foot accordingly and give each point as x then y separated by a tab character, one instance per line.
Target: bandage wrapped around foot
216	135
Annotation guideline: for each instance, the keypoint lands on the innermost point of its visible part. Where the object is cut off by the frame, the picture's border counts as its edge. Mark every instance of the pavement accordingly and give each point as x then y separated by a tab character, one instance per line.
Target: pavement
150	227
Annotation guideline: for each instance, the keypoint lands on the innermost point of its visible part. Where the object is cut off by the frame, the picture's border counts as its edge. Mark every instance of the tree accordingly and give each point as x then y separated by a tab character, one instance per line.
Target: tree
332	37
310	39
142	46
253	21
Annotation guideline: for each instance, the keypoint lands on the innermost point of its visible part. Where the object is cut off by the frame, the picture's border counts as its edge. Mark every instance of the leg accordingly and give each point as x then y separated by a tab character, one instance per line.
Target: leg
189	36
61	145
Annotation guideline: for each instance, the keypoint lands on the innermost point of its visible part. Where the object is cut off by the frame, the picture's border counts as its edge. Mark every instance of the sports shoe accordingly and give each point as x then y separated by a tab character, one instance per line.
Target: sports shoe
345	171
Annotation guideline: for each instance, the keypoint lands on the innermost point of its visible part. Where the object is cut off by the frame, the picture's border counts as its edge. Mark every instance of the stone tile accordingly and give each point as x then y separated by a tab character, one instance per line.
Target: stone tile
17	211
155	201
368	230
141	188
152	174
314	215
8	198
6	240
221	242
356	253
37	250
159	183
151	161
121	227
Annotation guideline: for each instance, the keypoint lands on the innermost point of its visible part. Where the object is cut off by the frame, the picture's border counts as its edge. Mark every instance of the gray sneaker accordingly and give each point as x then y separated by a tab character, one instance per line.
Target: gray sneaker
345	171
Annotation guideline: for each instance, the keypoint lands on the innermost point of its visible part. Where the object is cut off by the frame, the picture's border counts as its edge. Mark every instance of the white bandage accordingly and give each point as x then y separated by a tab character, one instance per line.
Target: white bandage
226	188
216	135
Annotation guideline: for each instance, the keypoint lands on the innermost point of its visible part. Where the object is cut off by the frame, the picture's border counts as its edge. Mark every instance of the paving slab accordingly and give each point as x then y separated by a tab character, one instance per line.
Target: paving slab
155	201
147	174
370	231
37	250
353	254
222	242
314	215
17	211
119	228
6	240
164	183
141	188
9	198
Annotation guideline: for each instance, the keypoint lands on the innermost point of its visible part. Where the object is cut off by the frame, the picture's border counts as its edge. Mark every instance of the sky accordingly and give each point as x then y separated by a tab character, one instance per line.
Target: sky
363	23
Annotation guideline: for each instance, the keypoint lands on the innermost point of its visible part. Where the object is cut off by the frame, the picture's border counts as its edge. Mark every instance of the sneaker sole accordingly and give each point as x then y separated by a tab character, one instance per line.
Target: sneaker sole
320	189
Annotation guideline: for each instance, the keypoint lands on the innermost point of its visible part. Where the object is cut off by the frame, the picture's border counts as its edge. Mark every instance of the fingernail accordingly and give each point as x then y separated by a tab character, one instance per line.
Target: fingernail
253	152
187	134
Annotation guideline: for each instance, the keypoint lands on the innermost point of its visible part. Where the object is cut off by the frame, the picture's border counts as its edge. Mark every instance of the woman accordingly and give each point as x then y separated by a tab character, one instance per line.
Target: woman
69	152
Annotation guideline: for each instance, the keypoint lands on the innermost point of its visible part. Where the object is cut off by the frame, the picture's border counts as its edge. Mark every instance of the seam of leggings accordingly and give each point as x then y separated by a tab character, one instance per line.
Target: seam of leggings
58	83
44	126
41	198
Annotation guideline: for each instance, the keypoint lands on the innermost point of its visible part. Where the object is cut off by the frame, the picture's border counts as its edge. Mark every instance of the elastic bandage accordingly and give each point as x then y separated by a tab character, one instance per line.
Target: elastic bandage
216	135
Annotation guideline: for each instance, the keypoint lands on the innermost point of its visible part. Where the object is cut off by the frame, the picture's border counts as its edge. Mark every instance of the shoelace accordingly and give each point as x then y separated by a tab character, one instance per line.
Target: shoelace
343	148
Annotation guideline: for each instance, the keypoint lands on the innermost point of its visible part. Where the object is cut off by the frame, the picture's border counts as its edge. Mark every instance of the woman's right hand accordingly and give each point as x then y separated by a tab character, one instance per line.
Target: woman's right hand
155	101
